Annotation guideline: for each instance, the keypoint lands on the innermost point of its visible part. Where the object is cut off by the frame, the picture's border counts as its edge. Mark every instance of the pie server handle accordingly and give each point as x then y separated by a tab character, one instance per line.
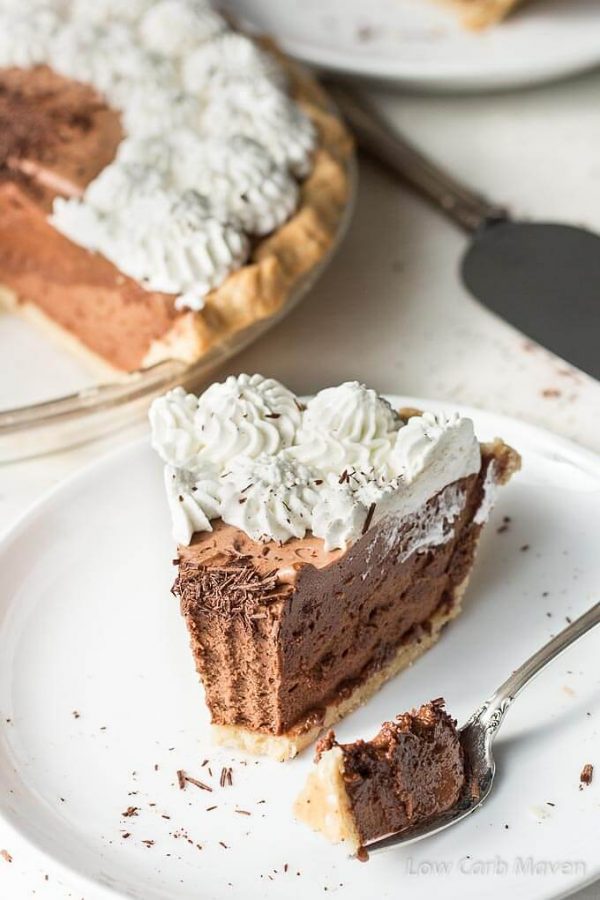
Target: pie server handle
464	206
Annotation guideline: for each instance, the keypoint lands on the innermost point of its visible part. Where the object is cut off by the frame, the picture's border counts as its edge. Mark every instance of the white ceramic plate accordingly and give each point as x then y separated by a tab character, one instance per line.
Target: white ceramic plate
418	44
88	626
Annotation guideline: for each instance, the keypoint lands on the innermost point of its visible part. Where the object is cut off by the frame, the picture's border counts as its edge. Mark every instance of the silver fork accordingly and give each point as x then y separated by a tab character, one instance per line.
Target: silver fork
478	733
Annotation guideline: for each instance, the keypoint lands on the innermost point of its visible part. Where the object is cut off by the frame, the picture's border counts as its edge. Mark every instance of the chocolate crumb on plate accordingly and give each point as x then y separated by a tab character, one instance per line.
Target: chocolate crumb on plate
195	781
226	779
6	856
130	811
587	774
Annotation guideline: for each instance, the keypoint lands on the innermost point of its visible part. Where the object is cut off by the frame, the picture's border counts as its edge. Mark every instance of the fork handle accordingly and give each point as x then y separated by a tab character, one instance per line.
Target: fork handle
463	205
493	712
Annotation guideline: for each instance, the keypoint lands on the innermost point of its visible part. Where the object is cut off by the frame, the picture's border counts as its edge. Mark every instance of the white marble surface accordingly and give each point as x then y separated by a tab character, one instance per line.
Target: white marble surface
390	310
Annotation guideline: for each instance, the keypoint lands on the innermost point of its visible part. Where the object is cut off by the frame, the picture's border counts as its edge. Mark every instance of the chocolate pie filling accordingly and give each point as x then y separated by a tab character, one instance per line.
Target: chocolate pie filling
279	632
56	135
411	771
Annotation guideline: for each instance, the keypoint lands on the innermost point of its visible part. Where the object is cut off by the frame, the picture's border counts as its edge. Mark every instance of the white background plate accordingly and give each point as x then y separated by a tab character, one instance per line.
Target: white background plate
418	44
87	624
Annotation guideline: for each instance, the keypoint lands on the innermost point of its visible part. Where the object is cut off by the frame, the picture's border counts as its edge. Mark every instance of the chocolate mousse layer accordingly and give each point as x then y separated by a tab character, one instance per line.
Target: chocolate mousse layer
56	135
410	772
287	638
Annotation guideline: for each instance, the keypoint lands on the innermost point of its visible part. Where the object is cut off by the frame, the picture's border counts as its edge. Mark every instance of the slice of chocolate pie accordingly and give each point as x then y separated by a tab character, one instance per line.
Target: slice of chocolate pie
322	548
410	772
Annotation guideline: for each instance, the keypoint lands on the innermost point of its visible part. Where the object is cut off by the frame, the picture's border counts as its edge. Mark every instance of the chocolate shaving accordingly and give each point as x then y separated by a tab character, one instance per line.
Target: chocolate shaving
130	811
183	778
226	777
369	518
237	589
587	774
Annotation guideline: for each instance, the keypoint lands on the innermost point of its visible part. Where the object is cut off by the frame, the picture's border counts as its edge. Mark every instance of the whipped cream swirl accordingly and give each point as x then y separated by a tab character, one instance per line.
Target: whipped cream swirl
350	427
175	27
229	59
164	240
247	416
246	187
262	112
269	498
248	451
203	109
26	35
194	499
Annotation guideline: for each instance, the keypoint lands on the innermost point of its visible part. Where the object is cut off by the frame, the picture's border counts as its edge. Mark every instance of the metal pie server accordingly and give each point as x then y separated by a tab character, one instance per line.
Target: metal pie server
543	278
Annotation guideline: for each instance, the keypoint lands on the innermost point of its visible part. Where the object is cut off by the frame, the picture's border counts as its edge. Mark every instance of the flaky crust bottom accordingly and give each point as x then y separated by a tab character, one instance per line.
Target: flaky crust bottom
285	746
478	14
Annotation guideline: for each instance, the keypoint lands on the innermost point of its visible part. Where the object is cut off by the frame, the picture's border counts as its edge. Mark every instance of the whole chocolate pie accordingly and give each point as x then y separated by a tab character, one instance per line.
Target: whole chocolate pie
164	180
321	547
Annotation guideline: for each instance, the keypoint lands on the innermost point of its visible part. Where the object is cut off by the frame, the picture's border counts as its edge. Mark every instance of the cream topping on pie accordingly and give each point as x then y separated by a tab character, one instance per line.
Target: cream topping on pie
213	141
248	451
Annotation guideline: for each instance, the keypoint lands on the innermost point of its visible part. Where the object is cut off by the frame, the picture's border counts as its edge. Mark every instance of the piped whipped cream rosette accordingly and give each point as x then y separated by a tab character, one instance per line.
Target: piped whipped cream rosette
203	109
245	185
249	452
166	241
